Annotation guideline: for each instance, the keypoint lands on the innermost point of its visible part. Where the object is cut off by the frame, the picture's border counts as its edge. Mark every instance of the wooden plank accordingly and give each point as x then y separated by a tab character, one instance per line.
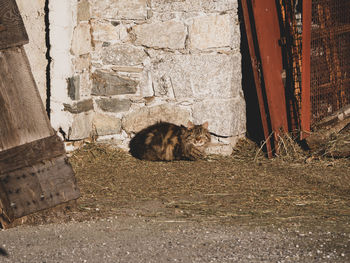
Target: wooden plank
6	213
12	30
22	115
31	153
40	186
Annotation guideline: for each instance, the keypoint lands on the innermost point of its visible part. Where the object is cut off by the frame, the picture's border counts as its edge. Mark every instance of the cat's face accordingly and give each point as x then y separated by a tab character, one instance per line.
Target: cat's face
198	135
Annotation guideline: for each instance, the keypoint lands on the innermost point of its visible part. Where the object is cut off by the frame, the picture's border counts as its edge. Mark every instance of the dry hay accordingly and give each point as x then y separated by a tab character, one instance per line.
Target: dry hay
243	188
338	144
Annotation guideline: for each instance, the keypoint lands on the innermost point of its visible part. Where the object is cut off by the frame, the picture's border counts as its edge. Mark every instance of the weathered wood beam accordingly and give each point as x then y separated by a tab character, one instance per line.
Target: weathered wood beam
31	153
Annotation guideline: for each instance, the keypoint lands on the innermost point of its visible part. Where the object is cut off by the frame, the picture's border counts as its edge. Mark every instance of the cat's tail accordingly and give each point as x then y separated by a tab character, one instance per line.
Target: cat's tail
3	252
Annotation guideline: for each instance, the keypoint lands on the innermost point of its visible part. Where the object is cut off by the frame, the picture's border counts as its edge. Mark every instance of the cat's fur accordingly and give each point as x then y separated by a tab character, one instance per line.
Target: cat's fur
165	141
3	252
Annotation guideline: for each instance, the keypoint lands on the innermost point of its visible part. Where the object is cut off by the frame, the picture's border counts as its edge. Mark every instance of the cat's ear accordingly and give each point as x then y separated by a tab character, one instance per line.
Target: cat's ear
190	125
205	125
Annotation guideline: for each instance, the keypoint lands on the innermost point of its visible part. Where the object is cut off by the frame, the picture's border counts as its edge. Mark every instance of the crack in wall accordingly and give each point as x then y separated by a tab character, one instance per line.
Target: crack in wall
48	58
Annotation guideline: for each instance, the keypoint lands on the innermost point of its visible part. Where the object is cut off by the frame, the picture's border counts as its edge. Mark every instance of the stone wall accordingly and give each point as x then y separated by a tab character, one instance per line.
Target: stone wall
134	62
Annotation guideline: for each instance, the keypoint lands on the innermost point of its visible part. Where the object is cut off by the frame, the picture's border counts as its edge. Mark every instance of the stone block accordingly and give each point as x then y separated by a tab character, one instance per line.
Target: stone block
83	11
106	125
213	31
119	9
169	34
202	76
85	84
82	62
143	117
81	43
225	117
108	84
81	126
73	87
194	5
146	85
79	107
114	104
104	31
122	55
219	148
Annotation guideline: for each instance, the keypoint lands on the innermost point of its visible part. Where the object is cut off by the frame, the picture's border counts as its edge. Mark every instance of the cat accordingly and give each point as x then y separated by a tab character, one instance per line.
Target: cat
165	141
3	252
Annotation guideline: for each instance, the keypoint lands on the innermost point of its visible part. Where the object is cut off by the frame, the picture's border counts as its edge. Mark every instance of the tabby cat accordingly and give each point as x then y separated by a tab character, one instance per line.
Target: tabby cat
3	252
165	141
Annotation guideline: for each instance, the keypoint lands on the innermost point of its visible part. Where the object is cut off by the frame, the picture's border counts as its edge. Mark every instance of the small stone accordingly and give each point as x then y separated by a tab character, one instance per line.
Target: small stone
83	11
106	125
108	84
225	117
210	32
143	117
81	126
201	76
116	9
169	34
114	104
79	107
103	31
123	55
73	87
82	62
194	5
81	43
221	149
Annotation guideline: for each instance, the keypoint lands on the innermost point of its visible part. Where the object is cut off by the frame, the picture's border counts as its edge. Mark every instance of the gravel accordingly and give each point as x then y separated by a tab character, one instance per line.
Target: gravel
130	239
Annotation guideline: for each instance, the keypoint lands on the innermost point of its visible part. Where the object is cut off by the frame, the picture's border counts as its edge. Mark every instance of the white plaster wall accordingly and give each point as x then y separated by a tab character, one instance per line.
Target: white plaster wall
62	20
33	16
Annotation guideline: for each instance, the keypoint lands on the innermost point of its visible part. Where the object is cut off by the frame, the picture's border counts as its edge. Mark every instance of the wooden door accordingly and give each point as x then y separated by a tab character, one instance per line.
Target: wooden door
34	171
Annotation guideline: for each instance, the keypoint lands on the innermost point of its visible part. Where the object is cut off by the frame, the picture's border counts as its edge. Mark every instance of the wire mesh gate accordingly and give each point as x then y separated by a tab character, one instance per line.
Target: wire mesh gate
317	36
315	44
330	57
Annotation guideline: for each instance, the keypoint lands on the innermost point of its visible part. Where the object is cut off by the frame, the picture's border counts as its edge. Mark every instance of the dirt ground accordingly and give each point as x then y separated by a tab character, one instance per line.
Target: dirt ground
245	190
245	187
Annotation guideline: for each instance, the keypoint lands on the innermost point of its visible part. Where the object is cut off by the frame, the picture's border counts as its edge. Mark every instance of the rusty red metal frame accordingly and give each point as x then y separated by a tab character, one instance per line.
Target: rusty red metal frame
305	75
257	81
266	25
